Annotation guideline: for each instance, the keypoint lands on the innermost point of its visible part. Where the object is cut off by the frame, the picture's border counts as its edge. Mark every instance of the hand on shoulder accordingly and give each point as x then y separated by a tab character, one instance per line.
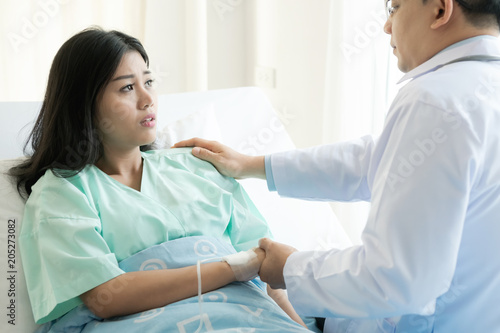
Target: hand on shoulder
226	160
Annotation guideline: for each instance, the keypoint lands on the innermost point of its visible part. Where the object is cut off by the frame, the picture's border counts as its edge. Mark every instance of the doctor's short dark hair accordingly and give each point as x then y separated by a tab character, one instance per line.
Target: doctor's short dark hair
65	136
481	13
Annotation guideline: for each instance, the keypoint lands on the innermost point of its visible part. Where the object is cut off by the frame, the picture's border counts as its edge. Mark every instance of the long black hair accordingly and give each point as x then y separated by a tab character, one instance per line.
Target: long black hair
64	138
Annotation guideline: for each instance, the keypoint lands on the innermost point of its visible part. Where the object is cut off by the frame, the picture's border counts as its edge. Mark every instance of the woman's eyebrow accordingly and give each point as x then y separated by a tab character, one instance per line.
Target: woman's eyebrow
129	76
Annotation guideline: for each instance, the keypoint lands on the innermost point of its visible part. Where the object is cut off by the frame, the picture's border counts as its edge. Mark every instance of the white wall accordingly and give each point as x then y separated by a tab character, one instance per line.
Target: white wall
292	38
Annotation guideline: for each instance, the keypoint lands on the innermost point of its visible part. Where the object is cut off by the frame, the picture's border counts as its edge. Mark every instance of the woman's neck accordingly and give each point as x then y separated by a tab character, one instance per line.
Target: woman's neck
125	167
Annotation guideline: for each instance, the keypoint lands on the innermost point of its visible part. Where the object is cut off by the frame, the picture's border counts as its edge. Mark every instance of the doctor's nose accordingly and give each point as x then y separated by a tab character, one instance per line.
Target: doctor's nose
388	26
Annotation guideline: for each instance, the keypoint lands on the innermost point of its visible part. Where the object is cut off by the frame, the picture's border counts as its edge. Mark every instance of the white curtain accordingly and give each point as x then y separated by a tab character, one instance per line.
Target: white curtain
33	31
324	64
359	84
192	44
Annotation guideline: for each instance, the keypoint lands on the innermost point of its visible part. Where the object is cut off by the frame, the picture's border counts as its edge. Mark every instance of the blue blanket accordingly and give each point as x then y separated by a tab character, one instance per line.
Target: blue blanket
237	307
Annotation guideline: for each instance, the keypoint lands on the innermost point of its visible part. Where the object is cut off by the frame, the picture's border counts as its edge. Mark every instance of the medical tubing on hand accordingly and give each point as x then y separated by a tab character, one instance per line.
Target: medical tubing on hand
237	262
200	299
245	264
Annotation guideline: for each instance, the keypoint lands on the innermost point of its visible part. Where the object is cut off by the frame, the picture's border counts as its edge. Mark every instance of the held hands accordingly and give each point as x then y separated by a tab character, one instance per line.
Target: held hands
226	160
271	270
245	264
268	261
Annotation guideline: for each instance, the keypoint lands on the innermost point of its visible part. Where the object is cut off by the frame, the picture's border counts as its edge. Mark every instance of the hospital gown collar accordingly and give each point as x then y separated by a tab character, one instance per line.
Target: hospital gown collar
475	46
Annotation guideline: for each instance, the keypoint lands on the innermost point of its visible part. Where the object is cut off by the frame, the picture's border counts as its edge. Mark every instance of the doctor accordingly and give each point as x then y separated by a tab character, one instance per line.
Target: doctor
429	259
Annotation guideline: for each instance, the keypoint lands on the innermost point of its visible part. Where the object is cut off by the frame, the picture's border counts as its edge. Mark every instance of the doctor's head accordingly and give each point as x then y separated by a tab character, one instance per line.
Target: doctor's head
96	77
420	29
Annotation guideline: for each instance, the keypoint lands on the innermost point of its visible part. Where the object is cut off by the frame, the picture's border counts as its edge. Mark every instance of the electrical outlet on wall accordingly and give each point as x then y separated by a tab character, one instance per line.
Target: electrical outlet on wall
265	77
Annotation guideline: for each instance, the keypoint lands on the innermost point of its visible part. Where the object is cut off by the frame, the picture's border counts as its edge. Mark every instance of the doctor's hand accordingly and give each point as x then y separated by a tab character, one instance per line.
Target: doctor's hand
271	270
226	160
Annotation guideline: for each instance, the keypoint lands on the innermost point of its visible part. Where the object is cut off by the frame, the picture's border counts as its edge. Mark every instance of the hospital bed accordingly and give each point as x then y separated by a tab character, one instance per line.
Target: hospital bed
241	118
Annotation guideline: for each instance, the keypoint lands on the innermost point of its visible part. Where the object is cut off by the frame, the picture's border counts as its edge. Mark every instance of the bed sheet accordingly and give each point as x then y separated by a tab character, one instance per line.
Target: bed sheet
237	307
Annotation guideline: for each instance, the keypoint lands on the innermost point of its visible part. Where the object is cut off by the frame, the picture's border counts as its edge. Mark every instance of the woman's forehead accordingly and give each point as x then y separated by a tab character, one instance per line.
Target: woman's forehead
131	62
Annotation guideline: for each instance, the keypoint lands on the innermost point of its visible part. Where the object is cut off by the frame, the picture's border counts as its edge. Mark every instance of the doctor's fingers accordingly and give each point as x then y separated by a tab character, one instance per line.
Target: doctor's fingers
276	253
226	160
264	243
261	254
197	142
280	249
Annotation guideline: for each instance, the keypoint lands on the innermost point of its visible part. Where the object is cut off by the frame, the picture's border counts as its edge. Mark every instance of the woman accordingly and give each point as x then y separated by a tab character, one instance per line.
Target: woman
96	197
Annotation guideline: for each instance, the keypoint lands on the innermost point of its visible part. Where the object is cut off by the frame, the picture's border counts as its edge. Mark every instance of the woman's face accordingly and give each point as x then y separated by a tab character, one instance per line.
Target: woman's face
126	112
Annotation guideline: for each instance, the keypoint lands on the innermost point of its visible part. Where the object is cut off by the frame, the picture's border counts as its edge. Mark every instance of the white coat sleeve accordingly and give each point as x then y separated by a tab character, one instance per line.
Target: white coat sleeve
329	172
421	175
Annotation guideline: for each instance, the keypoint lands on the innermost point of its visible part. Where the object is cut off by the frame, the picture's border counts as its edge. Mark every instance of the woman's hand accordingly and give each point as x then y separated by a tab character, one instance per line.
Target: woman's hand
246	264
226	160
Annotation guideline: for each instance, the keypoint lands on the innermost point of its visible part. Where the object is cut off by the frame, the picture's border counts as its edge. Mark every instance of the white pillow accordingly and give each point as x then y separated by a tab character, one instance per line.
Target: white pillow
16	308
202	124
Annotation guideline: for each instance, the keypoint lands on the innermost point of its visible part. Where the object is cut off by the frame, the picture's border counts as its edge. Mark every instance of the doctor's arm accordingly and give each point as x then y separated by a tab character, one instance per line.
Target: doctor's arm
328	172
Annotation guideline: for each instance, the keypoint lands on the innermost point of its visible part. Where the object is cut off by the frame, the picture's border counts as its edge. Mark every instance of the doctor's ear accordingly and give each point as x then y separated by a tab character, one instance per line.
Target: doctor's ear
442	11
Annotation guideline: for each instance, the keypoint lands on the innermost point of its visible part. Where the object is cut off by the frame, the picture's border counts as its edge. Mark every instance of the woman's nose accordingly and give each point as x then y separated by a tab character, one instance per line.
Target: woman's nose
146	100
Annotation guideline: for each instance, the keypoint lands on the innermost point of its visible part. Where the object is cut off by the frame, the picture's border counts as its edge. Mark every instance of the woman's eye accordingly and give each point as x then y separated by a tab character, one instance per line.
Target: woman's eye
149	83
128	87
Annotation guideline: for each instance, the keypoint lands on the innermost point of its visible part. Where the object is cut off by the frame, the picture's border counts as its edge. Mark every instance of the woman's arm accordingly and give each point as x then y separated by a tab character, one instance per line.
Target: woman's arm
280	297
134	292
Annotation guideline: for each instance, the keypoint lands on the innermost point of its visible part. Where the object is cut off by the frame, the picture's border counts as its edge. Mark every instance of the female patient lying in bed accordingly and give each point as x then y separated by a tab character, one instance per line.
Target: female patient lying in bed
98	195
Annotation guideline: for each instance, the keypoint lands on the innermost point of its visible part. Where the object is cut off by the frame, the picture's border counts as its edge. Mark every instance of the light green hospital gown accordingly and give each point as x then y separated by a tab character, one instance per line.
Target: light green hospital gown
76	230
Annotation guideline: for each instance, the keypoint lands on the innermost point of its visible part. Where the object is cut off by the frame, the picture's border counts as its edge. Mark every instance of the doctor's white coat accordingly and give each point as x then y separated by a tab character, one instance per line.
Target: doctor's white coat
429	259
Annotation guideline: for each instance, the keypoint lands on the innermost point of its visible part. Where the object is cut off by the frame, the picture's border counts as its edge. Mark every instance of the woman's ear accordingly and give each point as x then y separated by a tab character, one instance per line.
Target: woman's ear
443	10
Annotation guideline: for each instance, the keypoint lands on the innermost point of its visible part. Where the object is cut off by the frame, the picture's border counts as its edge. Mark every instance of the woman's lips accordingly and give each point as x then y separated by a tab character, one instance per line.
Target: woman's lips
149	120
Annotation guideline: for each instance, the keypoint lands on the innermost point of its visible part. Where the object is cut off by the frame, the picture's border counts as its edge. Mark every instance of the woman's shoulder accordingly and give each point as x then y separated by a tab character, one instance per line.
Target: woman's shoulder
167	152
176	156
58	180
183	159
60	195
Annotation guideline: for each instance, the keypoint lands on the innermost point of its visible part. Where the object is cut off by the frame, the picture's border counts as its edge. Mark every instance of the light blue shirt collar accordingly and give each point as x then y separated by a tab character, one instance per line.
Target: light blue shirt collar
475	46
469	40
